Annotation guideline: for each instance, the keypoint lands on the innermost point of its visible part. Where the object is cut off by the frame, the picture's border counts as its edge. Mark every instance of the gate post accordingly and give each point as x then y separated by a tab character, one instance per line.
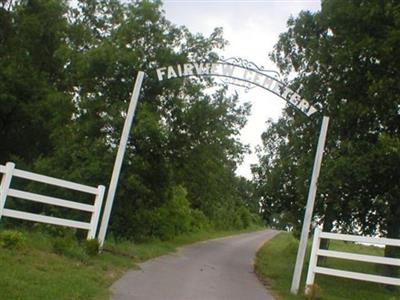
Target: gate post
309	208
119	158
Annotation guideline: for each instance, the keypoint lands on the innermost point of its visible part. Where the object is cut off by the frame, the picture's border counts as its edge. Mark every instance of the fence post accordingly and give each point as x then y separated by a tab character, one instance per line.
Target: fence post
94	221
5	185
313	259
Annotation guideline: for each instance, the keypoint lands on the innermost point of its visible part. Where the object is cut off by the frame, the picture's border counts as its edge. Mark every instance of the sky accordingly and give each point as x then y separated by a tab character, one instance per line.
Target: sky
252	28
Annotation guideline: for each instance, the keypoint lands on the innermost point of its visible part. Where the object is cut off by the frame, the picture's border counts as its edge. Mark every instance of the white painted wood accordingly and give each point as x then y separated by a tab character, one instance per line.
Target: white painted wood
360	239
96	214
9	171
313	258
313	268
44	219
360	257
358	276
5	184
119	158
55	181
50	200
309	207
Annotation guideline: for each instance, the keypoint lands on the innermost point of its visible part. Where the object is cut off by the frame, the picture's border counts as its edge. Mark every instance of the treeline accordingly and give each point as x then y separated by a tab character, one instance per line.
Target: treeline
346	58
66	74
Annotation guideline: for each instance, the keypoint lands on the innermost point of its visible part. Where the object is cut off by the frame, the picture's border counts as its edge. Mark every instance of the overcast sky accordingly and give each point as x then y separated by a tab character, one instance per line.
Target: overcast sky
252	28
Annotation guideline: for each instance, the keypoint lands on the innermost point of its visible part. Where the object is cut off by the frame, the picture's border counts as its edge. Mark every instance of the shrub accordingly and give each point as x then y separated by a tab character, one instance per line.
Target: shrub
68	246
62	245
11	239
199	221
91	247
174	216
256	219
245	216
222	218
54	230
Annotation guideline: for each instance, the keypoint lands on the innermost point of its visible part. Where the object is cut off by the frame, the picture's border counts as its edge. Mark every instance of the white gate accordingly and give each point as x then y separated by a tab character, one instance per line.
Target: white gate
8	171
316	251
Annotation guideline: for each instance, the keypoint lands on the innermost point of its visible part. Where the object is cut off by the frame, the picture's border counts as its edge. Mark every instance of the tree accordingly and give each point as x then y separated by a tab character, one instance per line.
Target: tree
33	96
183	151
345	61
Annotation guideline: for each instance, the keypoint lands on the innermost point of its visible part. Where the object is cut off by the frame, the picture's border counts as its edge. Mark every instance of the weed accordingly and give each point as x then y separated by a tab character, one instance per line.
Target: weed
11	239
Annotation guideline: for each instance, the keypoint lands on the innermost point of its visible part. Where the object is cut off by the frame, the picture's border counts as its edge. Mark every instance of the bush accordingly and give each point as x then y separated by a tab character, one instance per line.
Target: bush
172	218
232	217
256	219
175	215
62	245
11	239
55	230
245	217
199	221
91	247
68	246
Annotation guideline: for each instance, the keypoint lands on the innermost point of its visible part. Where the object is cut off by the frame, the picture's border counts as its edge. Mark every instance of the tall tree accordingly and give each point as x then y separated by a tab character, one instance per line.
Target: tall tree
77	66
32	90
345	60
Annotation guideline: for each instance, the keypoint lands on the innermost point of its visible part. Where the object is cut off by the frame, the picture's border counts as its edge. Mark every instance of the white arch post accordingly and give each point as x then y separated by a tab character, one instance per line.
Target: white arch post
301	252
119	158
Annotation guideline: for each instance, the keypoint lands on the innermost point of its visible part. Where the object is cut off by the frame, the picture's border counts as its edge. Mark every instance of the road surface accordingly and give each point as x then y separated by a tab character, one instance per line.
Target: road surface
217	269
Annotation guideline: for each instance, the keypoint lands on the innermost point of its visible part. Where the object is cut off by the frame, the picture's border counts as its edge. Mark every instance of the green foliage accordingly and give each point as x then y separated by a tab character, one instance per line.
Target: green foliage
11	239
237	217
199	221
69	247
32	100
66	74
174	215
62	245
91	247
345	62
54	230
39	273
64	242
245	217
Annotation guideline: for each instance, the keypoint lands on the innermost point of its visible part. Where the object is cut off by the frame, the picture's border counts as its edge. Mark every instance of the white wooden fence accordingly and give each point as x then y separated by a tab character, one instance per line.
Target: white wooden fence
8	172
316	251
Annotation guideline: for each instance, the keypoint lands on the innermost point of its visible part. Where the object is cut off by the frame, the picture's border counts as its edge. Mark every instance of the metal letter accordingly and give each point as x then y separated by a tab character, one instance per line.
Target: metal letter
161	73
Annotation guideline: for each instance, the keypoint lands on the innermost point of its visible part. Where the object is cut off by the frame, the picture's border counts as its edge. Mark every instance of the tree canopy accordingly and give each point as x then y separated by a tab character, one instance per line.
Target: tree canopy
66	74
345	59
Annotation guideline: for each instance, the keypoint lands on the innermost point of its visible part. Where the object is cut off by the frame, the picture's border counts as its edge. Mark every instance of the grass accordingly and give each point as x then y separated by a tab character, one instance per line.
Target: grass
34	271
275	263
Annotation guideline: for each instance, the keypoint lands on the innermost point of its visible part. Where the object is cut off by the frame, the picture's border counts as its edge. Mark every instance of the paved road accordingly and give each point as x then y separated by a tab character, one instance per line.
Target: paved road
217	269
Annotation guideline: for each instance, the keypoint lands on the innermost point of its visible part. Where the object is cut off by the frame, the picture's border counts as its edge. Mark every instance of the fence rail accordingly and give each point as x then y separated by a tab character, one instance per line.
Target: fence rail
8	172
313	268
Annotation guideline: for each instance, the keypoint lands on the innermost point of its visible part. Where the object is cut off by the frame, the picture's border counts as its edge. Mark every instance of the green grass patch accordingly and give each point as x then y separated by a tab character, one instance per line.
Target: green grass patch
34	268
275	263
